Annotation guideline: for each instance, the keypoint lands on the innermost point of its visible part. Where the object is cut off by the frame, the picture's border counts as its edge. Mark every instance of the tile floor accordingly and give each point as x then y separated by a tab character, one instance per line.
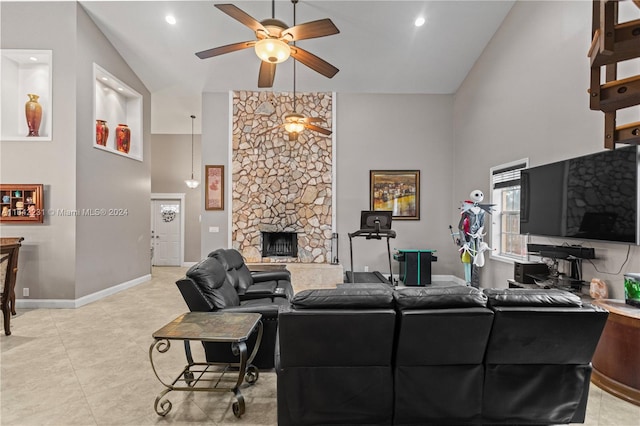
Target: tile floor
90	366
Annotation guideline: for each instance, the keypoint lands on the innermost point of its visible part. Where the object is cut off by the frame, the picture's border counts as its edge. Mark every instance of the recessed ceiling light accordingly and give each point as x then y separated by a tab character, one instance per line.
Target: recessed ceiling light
104	79
419	21
170	19
33	58
120	89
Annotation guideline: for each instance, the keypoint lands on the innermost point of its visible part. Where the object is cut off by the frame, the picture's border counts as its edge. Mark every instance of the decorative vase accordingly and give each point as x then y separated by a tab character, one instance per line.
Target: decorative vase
123	138
33	112
102	132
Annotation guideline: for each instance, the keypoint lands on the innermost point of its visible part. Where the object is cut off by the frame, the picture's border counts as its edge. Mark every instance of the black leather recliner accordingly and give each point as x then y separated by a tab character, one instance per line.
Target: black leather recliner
538	361
206	289
442	337
253	285
334	364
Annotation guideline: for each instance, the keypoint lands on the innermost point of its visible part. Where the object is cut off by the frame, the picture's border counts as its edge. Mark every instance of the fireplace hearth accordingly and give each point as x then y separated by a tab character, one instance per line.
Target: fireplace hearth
279	244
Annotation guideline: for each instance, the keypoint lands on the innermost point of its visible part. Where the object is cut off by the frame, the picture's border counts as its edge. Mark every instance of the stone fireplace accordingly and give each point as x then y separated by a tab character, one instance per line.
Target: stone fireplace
281	186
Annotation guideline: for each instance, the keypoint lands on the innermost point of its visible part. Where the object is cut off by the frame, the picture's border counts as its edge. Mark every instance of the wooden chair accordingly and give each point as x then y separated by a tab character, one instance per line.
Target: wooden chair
8	271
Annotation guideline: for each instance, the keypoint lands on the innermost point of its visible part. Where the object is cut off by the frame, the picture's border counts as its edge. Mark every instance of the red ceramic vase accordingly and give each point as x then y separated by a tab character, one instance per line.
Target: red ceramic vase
102	132
123	138
33	112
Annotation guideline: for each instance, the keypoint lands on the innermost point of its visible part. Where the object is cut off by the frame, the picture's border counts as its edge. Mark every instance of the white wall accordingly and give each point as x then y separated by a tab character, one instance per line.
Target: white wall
527	96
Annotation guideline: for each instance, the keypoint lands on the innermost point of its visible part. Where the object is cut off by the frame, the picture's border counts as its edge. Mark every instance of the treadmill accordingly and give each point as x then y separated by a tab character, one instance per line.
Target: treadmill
374	225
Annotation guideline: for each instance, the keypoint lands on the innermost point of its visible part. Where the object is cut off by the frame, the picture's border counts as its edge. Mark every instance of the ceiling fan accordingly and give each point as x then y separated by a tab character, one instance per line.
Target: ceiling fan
273	42
293	122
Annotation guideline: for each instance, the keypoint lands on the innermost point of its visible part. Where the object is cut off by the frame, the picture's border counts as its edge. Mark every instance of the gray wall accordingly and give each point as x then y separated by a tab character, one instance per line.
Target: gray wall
68	257
110	249
387	132
395	132
527	96
170	166
215	151
47	256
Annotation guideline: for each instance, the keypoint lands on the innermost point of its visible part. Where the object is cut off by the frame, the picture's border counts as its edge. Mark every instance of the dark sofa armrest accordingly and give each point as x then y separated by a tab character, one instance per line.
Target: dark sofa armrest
260	276
267	310
196	301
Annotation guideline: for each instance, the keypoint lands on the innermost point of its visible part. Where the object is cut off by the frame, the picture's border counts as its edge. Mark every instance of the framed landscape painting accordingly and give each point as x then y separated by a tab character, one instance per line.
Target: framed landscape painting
214	190
396	190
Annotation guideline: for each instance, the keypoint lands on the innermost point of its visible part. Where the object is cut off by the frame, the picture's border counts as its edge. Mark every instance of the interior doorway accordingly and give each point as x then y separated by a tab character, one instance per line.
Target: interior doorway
167	229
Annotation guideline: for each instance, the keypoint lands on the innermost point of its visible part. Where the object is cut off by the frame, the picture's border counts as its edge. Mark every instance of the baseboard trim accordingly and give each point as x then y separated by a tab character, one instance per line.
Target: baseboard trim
84	300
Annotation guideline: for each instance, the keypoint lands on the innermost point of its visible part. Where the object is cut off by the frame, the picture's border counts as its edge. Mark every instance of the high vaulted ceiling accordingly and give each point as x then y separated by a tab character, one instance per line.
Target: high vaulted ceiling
378	49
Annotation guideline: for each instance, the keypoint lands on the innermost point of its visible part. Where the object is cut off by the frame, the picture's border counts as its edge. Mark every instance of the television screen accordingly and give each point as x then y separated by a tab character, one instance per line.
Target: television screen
594	197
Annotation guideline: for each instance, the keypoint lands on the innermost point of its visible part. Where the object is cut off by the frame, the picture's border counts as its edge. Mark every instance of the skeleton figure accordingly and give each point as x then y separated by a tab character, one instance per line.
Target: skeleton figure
471	232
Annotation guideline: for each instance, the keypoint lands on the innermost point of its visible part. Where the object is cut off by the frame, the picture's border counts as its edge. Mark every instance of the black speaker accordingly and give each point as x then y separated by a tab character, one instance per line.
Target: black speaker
522	271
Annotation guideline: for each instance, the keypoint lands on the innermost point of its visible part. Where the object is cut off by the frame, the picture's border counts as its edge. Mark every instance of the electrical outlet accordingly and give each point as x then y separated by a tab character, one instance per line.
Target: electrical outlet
214	229
25	292
366	269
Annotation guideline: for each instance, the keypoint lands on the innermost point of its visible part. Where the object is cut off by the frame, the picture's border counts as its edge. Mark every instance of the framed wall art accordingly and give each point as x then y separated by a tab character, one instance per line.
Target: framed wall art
396	190
214	189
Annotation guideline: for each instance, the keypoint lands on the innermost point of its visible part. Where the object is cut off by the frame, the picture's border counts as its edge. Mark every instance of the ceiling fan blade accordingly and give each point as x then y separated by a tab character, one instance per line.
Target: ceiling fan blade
225	49
318	129
310	119
313	62
241	16
267	74
320	28
270	129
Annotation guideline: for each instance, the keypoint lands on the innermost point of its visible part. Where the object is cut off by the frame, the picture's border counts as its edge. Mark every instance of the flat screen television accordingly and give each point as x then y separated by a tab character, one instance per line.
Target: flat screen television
593	197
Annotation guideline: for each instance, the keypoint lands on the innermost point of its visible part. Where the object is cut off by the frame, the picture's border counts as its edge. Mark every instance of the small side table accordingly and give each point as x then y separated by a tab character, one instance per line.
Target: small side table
231	327
415	266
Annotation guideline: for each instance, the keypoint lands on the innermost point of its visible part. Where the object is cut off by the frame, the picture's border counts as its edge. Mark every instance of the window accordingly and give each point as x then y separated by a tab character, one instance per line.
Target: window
506	240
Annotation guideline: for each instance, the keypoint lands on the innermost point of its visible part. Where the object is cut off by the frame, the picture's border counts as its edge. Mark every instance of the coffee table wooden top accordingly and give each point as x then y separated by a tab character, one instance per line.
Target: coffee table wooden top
210	327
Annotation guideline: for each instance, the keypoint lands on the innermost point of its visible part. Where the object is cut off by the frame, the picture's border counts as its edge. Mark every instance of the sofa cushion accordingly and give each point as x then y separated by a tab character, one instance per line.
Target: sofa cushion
343	298
440	297
211	278
532	297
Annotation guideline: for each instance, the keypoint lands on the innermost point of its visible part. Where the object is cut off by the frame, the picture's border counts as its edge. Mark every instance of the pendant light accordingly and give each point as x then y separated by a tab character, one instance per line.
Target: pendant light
192	183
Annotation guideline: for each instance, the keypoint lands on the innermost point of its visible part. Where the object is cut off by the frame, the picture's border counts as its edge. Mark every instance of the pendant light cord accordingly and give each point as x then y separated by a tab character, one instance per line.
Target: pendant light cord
193	117
294	59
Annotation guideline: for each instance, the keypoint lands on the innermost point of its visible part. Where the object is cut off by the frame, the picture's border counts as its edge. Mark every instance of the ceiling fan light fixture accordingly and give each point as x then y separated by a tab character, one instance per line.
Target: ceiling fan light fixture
293	123
272	50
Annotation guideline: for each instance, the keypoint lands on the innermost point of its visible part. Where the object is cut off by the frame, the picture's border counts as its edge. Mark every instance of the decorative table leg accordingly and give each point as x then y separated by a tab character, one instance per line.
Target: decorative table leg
165	406
238	406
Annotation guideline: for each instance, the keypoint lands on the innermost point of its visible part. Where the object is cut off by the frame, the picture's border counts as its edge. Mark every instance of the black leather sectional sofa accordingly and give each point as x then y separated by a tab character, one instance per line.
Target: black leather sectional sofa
439	355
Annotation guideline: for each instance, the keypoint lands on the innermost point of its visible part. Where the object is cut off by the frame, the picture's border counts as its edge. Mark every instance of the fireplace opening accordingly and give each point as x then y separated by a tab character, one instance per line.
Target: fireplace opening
279	244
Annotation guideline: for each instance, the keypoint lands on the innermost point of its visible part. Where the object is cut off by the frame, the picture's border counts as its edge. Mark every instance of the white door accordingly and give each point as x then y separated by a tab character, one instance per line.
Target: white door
165	232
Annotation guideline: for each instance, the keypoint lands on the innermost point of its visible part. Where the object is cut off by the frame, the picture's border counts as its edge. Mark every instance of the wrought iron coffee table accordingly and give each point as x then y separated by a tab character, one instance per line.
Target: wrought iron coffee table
234	328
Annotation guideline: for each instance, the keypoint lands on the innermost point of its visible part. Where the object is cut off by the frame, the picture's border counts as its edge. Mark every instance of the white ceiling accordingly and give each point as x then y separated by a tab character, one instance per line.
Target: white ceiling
378	49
